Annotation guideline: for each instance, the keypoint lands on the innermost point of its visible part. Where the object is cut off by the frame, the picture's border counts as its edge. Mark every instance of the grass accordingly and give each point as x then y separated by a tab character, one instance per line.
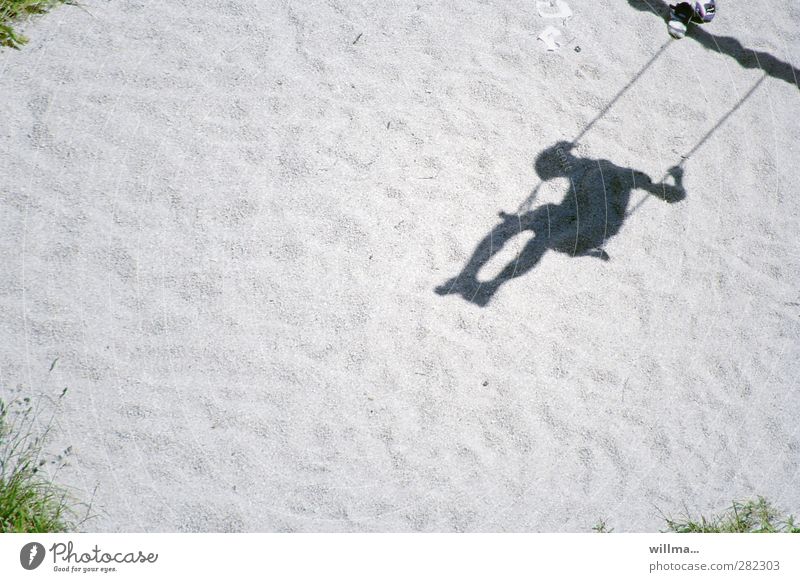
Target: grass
12	11
602	527
752	516
29	501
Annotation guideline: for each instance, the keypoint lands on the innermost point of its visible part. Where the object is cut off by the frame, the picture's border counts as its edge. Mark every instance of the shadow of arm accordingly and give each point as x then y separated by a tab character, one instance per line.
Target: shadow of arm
667	192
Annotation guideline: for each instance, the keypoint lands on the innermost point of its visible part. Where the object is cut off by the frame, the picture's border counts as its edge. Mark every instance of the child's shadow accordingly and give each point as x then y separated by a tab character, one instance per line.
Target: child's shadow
592	211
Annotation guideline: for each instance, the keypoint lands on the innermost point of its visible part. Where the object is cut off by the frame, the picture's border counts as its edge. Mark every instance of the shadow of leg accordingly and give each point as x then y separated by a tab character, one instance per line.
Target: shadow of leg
466	283
526	261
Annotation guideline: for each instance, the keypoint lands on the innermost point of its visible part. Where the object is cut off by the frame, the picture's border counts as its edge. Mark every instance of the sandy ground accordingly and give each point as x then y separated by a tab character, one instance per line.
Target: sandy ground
228	221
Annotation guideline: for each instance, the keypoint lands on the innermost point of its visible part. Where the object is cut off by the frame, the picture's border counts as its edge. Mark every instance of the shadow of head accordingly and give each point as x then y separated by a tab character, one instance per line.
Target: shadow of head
555	161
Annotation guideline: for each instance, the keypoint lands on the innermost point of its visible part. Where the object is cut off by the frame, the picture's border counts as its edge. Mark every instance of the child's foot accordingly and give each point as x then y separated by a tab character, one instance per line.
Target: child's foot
464	286
448	287
677	29
470	289
679	18
599	254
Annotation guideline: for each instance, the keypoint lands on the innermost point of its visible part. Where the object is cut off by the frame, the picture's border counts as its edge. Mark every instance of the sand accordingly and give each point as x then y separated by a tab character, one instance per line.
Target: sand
228	221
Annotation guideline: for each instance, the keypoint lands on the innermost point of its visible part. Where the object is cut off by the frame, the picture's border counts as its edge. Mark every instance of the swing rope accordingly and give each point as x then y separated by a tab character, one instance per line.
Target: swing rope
705	138
528	202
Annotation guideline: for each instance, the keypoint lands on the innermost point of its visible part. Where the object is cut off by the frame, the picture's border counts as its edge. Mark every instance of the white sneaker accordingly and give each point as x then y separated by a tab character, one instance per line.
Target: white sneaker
677	29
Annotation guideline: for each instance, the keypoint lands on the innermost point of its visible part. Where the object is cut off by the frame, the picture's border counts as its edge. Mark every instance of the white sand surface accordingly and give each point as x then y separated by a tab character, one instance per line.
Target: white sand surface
228	220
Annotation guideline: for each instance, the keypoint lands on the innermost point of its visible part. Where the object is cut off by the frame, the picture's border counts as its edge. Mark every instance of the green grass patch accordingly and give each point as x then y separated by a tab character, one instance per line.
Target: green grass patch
602	527
752	516
12	11
29	500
